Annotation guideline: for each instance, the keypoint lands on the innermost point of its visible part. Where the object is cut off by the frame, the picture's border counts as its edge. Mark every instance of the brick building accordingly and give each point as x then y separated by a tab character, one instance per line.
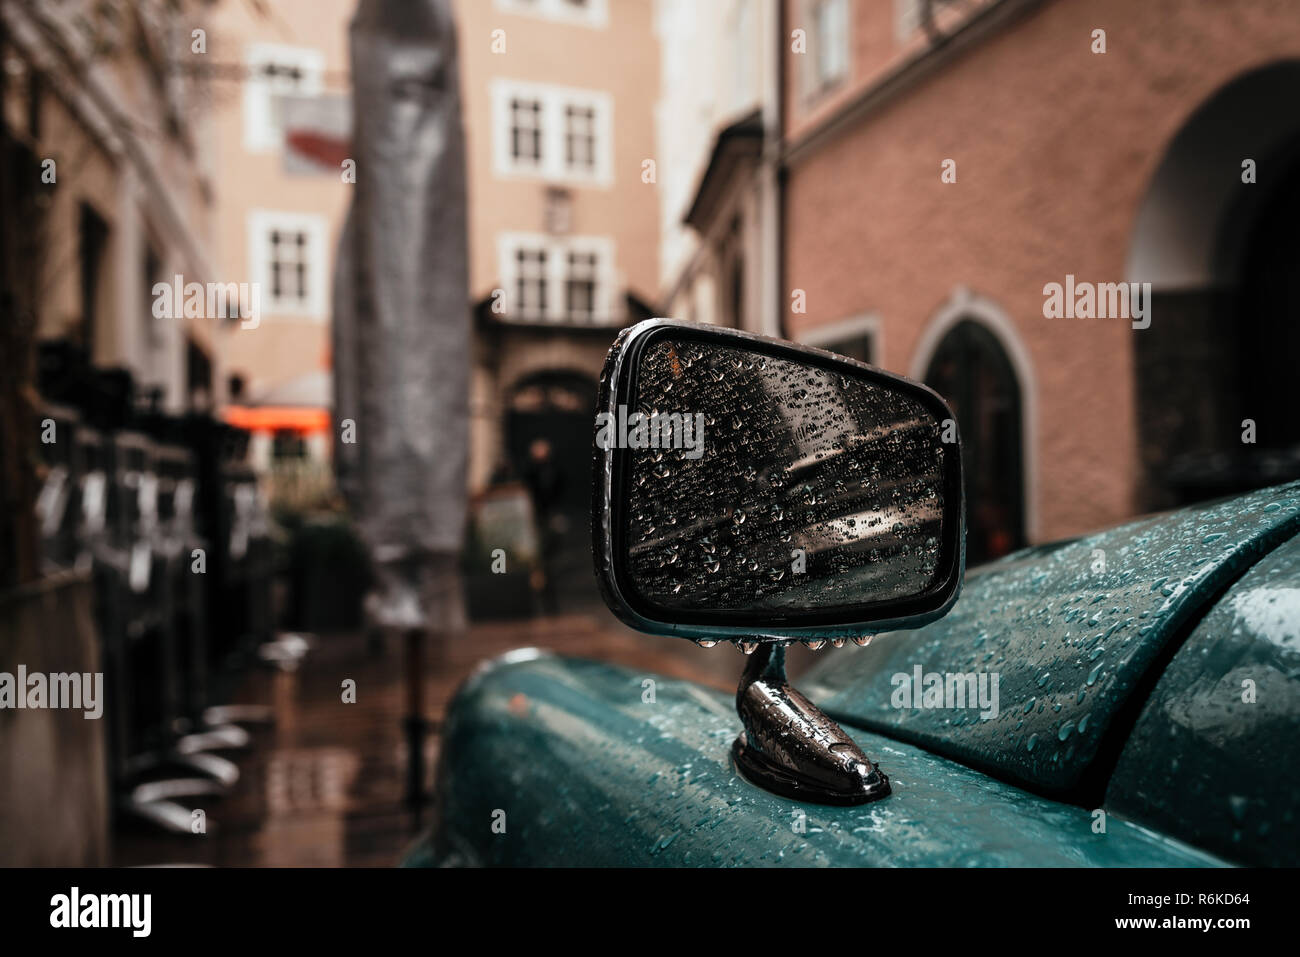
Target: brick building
944	162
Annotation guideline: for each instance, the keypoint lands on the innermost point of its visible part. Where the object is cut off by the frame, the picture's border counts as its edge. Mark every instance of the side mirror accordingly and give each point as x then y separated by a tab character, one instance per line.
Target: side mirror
756	491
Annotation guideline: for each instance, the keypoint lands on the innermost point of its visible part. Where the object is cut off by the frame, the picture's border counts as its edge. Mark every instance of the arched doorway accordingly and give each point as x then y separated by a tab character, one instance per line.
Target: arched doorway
970	369
549	428
556	408
1217	236
1268	311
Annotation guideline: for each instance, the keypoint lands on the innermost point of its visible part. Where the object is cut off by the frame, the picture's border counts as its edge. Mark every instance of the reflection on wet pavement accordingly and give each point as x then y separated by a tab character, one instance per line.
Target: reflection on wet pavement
323	785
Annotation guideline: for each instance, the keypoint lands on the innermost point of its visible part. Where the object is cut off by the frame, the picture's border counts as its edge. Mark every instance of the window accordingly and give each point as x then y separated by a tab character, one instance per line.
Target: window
560	279
530	284
288	258
587	13
736	292
580	137
558	133
580	286
92	250
857	337
558	215
525	130
854	347
273	71
829	45
288	262
151	274
733	254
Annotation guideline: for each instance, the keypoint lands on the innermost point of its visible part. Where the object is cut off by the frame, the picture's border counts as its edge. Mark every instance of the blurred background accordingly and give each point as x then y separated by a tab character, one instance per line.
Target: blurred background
894	180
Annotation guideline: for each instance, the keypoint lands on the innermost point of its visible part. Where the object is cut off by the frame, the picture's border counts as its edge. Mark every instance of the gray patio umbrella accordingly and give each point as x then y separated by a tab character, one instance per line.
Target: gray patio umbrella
401	327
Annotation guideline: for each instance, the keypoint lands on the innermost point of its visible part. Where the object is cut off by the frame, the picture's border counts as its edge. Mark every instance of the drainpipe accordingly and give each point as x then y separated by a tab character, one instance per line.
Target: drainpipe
772	178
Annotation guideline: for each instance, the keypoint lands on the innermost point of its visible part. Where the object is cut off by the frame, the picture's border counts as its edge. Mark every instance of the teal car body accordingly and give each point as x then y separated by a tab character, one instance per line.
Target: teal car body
1148	699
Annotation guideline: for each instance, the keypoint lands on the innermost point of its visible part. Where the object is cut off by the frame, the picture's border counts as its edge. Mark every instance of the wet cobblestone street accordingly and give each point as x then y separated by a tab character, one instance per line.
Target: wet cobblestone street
323	785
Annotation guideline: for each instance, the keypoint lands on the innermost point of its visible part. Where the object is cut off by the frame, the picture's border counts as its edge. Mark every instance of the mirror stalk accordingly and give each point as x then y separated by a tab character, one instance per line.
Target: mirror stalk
790	746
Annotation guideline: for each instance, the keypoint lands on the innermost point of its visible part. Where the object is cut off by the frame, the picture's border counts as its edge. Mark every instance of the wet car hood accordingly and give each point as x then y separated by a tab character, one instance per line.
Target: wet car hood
550	761
1214	758
1076	634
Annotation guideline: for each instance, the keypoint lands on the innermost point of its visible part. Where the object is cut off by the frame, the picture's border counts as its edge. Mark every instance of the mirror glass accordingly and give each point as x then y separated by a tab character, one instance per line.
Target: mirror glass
757	483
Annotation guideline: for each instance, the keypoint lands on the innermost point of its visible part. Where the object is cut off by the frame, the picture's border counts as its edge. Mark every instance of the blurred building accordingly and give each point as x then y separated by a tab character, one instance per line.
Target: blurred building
112	152
944	162
898	180
282	184
718	122
559	102
105	190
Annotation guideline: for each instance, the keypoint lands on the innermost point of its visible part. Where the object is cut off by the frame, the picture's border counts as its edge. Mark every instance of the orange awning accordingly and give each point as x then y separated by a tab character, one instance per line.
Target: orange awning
273	418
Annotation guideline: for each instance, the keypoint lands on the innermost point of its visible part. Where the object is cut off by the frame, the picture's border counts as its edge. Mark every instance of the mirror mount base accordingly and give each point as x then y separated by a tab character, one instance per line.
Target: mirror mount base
790	747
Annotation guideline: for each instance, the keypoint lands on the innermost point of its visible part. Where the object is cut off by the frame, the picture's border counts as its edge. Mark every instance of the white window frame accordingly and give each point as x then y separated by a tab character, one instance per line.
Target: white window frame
592	13
261	222
866	324
263	128
538	255
814	85
593	267
588	115
536	163
553	165
557	270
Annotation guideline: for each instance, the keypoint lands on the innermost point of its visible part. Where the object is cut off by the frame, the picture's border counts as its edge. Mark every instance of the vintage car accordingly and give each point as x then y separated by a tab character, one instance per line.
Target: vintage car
1129	698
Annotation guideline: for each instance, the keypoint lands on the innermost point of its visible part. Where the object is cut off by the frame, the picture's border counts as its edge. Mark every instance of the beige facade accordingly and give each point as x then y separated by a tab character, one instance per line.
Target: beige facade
563	208
124	183
609	60
589	75
277	217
